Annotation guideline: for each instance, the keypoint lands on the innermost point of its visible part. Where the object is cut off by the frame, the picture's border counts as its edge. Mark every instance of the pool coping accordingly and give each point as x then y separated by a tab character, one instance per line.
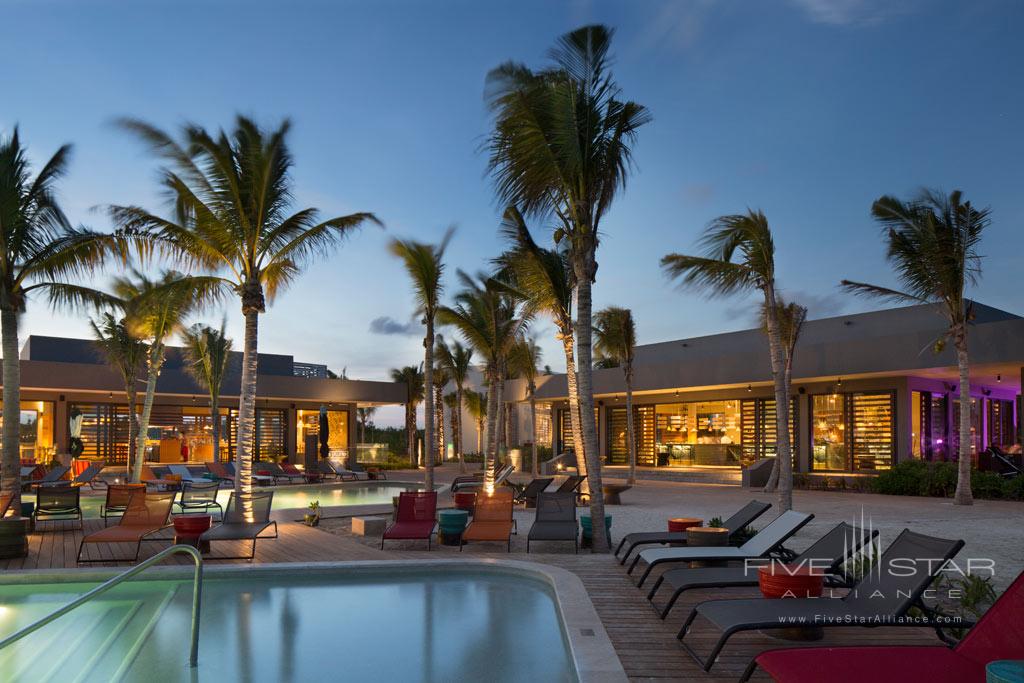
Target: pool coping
591	651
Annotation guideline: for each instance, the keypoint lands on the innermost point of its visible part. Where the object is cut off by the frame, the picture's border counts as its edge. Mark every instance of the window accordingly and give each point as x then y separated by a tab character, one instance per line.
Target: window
565	430
1001	431
704	434
103	429
873	433
929	425
853	432
758	428
828	432
954	433
307	422
35	434
270	433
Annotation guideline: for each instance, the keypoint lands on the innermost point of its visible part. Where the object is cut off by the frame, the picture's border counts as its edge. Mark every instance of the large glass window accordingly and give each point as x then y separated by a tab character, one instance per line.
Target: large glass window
873	434
103	430
307	423
643	426
759	428
954	433
852	432
705	433
828	432
1001	430
35	434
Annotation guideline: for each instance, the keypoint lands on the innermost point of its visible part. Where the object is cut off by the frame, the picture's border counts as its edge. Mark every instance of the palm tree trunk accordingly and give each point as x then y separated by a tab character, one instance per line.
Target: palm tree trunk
215	415
630	428
535	469
963	494
499	427
429	443
492	432
569	347
457	420
410	433
155	362
133	425
247	417
480	427
10	466
784	454
439	412
584	268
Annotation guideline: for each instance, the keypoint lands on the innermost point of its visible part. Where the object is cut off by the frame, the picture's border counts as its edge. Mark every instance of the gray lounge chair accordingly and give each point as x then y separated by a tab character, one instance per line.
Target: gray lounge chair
529	493
556	520
881	597
58	503
198	497
826	555
342	473
763	543
499	478
86	477
276	473
325	470
235	528
740	520
54	476
258	479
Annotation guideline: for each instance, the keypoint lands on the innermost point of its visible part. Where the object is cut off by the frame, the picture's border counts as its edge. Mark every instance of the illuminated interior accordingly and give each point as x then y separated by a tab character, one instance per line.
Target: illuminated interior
35	438
307	423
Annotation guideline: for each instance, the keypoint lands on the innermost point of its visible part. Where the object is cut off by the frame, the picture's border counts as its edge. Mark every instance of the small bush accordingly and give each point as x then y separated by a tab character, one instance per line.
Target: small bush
938	479
986	484
1013	489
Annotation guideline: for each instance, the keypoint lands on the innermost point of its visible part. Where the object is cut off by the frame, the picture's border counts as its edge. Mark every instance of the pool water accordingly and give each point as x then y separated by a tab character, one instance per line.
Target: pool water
288	496
424	626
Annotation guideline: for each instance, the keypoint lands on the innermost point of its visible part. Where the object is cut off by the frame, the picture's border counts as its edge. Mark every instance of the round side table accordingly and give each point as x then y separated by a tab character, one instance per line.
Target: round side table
450	525
707	537
189	528
588	530
780	581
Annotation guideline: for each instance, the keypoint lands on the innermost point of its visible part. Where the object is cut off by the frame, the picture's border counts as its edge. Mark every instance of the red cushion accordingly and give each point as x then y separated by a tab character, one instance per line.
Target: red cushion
875	664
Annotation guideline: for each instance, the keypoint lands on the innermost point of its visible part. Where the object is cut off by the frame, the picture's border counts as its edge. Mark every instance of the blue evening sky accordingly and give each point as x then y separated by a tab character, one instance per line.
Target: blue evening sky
808	109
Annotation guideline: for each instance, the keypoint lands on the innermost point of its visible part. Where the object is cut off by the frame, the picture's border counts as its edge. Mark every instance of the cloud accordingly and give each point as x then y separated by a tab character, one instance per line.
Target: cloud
678	25
847	12
389	326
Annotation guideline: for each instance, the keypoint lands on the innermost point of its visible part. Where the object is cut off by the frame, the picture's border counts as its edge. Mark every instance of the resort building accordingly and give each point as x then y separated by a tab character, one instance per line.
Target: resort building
869	390
68	389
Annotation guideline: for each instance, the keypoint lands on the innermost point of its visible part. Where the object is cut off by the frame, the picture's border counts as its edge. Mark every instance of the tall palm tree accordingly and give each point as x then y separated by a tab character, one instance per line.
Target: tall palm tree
561	147
545	279
748	237
40	253
451	401
526	357
209	352
476	406
412	377
488	316
441	379
231	197
791	317
456	359
615	339
932	244
155	311
127	354
425	265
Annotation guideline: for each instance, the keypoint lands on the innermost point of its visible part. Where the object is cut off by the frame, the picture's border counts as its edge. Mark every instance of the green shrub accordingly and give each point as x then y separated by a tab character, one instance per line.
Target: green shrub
1013	489
986	484
938	479
905	479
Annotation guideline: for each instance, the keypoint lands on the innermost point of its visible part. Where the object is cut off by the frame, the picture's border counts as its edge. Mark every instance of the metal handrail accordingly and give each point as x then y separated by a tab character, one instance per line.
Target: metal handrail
197	594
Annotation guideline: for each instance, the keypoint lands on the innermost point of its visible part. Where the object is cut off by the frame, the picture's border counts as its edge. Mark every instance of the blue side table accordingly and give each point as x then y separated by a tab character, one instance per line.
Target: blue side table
450	525
1005	671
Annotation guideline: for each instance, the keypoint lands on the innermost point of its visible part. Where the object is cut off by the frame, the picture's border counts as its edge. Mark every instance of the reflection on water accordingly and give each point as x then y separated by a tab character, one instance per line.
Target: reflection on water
452	627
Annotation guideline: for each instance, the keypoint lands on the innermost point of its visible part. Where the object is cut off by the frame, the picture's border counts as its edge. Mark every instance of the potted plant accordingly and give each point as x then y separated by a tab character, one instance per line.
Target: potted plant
312	516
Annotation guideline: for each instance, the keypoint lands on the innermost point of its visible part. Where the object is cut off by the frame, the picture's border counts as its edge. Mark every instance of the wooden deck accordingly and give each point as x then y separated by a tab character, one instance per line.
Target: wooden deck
646	645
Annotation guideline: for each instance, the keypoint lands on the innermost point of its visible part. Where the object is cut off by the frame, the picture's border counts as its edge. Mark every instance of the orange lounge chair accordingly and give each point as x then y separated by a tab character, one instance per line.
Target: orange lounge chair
118	497
492	519
147	513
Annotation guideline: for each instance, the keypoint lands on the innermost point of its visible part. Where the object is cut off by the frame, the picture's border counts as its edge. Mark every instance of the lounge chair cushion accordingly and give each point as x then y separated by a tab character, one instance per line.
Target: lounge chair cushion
727	614
235	531
878	665
553	531
410	530
488	531
122	533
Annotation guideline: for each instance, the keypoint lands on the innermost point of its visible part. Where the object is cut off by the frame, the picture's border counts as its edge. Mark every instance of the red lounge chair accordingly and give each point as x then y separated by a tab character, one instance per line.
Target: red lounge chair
417	517
293	471
997	635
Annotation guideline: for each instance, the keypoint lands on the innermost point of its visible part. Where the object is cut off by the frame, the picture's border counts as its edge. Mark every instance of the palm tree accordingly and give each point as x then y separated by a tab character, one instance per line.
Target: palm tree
476	406
748	236
932	244
425	265
456	359
451	401
127	354
441	380
209	352
561	147
364	415
615	339
231	201
487	315
412	377
526	356
156	310
41	252
545	279
791	319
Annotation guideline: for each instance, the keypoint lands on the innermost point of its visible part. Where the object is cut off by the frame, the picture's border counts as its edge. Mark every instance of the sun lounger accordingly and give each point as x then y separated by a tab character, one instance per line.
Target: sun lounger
291	470
528	495
85	477
221	472
761	545
150	477
997	636
199	497
234	526
883	596
147	513
53	476
492	519
118	496
5	503
826	555
342	473
417	517
740	520
499	478
273	470
58	503
556	520
258	479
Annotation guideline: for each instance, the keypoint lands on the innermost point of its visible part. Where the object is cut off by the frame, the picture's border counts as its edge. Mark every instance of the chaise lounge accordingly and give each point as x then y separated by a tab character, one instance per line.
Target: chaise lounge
417	517
235	527
147	513
492	519
556	520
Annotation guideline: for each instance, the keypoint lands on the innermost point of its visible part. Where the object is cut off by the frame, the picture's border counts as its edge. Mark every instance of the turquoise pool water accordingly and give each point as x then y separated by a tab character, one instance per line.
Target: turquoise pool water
427	626
288	496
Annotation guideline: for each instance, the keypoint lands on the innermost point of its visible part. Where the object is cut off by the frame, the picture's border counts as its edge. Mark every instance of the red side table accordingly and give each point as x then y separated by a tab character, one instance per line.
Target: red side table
188	529
680	524
465	501
780	581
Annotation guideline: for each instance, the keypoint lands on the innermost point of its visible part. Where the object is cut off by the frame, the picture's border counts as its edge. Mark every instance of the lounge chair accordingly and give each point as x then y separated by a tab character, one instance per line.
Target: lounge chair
58	503
375	473
492	519
147	513
465	478
739	521
258	479
417	517
311	477
273	470
499	478
997	636
221	472
185	474
761	545
342	473
325	470
883	596
556	520
233	526
528	495
118	496
53	476
5	503
199	497
159	481
27	475
826	555
85	477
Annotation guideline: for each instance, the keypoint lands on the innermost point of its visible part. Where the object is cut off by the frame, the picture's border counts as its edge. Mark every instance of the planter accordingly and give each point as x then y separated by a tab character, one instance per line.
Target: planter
14	537
311	520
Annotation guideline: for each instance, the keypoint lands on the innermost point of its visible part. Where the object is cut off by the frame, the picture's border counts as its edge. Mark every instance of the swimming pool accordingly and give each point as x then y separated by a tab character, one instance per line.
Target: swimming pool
289	496
385	621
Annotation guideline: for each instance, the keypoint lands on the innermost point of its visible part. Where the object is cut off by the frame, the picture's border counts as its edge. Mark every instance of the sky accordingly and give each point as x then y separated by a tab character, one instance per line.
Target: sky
806	109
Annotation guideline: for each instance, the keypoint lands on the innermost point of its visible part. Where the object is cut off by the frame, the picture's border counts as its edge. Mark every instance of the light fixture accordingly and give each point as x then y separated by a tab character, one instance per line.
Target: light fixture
839	381
749	388
999	378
